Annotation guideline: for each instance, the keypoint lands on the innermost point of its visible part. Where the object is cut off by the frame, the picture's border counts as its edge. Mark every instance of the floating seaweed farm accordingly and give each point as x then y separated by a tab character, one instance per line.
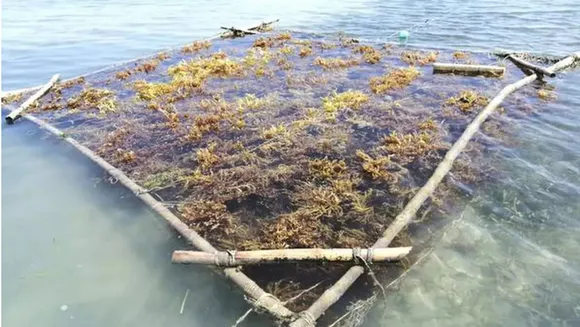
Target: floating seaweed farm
290	140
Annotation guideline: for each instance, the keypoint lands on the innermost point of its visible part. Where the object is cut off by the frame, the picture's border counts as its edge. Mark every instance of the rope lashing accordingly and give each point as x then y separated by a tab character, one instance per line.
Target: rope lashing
359	258
225	259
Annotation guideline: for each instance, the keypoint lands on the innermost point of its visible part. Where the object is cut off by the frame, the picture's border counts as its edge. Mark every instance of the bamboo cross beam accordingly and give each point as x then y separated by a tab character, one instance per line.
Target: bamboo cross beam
14	115
238	258
308	317
447	68
540	71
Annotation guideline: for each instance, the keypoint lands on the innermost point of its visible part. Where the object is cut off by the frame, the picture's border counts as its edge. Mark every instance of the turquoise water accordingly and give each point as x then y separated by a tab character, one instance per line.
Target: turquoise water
79	251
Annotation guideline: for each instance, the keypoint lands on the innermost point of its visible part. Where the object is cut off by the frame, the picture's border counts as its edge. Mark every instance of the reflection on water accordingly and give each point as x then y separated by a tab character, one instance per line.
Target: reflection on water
509	260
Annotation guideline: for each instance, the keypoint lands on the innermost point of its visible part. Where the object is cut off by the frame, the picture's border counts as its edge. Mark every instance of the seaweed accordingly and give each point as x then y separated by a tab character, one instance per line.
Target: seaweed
102	100
396	79
11	98
340	101
377	167
370	54
460	55
467	100
416	57
407	147
546	94
278	141
305	51
196	47
335	63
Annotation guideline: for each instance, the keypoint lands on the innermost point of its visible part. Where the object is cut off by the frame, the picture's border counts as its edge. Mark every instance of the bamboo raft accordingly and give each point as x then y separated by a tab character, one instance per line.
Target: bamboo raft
357	259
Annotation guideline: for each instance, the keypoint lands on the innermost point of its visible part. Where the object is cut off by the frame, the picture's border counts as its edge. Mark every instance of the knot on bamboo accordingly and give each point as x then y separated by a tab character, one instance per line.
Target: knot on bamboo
225	259
262	301
362	256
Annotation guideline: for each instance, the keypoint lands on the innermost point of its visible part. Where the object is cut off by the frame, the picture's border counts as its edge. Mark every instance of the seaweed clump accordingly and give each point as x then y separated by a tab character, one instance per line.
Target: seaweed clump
415	57
377	167
339	101
208	216
335	63
460	55
407	147
94	98
188	76
272	41
327	169
396	79
196	47
546	95
305	51
370	54
11	98
466	100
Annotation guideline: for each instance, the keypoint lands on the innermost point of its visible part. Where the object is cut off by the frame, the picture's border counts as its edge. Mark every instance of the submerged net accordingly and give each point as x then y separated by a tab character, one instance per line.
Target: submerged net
288	140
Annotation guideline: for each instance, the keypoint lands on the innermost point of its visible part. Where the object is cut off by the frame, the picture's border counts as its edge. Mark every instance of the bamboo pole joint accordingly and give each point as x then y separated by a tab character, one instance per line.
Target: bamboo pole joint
233	258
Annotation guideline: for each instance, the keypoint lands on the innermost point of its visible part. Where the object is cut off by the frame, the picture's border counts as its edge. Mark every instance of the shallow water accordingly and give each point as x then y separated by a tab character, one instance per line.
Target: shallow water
510	259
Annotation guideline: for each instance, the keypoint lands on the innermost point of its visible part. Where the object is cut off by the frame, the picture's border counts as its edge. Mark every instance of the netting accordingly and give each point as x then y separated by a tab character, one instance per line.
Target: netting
289	140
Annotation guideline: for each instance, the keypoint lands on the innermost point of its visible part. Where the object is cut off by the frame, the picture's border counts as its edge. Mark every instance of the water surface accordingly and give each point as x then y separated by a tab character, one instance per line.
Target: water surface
76	251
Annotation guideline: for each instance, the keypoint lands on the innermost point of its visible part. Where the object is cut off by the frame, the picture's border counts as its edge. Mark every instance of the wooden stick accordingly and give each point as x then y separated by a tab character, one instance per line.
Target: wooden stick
252	30
447	68
262	26
238	31
331	295
183	302
14	115
261	299
536	69
238	258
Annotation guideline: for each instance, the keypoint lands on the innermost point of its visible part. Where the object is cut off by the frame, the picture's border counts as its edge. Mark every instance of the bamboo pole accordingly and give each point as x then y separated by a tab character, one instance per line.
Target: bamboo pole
447	68
14	115
261	299
540	71
237	258
333	294
263	26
